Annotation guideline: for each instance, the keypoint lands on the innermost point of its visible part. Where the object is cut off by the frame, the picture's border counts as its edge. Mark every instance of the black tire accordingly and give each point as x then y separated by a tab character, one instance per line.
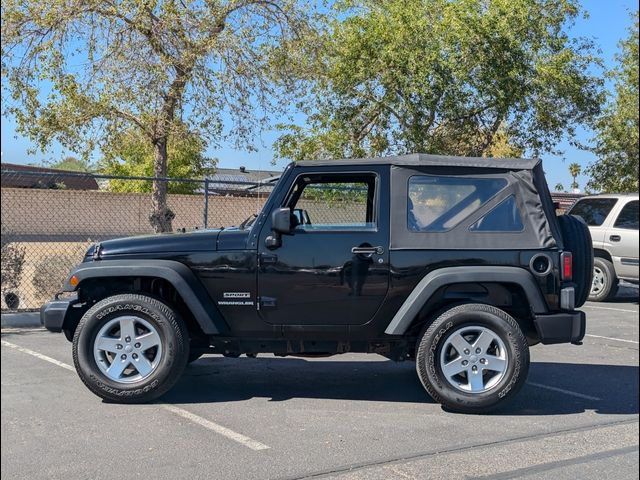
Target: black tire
605	284
577	239
173	339
452	321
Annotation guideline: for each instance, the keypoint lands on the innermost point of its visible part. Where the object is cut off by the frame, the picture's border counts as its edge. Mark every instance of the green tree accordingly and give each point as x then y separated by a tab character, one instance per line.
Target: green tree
149	65
72	164
574	171
131	155
617	130
559	187
466	77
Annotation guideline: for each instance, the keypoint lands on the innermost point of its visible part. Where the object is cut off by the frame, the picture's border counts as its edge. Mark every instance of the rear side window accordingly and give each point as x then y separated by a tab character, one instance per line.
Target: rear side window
594	211
437	204
628	217
505	217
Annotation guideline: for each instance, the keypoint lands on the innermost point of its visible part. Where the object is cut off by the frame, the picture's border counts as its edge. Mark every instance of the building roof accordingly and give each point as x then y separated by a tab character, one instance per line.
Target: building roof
243	175
233	180
422	159
28	176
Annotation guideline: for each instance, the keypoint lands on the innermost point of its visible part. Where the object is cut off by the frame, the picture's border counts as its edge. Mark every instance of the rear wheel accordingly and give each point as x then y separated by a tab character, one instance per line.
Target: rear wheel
130	348
472	358
605	283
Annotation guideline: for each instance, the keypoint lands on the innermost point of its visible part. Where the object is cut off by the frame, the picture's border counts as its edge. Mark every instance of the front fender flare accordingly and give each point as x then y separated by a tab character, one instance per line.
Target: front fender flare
445	276
180	276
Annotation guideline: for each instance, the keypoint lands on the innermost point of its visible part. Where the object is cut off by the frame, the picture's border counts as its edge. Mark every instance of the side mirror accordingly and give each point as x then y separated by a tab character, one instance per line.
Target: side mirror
281	224
281	221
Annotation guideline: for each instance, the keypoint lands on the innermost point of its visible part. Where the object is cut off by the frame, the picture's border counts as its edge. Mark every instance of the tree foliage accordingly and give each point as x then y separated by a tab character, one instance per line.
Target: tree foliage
617	130
574	170
131	155
465	77
153	65
72	164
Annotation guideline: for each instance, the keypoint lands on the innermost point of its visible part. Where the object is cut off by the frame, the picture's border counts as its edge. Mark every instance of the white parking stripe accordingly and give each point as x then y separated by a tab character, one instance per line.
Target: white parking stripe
230	434
566	392
219	429
611	338
38	355
610	308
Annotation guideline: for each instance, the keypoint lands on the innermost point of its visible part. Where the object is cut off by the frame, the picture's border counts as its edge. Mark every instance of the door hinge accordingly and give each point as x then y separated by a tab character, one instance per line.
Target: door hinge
266	302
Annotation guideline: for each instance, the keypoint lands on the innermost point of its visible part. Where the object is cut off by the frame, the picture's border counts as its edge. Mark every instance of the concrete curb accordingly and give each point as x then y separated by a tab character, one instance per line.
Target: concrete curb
21	320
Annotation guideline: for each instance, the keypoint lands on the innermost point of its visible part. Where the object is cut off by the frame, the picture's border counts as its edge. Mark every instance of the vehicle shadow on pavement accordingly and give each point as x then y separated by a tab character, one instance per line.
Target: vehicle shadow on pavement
606	389
613	389
626	294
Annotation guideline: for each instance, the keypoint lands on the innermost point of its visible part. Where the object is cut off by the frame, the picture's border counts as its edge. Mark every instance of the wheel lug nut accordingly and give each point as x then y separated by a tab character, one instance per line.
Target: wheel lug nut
483	360
465	363
119	347
128	339
123	356
474	368
478	350
137	345
466	351
135	356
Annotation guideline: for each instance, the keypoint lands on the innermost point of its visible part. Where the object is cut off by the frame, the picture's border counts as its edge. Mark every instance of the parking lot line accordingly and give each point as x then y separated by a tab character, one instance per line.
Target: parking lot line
610	308
611	338
219	429
38	355
566	392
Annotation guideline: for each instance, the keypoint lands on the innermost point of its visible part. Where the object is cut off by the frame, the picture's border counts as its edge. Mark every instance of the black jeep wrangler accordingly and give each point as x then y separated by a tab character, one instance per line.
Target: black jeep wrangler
459	264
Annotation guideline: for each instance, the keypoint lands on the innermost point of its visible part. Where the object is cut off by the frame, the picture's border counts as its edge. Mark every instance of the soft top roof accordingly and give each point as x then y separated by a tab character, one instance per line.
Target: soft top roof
422	159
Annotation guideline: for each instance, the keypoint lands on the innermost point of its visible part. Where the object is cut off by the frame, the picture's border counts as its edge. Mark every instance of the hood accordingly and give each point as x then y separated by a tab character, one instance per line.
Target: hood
195	241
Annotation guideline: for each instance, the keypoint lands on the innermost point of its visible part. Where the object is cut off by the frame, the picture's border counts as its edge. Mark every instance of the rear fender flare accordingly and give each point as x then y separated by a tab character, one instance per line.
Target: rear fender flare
445	276
180	276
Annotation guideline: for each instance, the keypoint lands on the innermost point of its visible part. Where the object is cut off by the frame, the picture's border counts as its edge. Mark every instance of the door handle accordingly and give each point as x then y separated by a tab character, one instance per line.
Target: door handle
369	251
615	238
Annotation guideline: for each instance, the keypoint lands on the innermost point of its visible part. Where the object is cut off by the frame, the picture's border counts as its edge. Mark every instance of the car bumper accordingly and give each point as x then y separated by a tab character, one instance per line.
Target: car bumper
564	327
53	313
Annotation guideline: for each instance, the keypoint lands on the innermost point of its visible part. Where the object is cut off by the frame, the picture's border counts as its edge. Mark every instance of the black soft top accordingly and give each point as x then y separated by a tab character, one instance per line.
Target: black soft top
424	160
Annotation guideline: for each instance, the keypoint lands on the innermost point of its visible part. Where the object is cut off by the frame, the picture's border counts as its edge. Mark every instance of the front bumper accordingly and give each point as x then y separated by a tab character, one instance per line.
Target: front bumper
53	313
563	327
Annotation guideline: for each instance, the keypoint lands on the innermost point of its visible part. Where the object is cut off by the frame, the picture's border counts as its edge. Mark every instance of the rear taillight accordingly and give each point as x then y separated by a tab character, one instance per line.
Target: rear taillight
566	260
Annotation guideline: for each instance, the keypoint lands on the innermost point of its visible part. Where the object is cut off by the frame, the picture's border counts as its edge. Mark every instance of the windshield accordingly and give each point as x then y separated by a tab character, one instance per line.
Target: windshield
593	211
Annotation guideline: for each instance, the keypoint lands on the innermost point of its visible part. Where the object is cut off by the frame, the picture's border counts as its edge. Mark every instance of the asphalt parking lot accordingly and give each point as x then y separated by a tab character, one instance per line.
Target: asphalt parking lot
351	416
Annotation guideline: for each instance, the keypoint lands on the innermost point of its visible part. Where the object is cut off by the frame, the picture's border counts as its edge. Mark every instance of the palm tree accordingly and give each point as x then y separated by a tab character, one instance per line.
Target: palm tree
559	187
574	171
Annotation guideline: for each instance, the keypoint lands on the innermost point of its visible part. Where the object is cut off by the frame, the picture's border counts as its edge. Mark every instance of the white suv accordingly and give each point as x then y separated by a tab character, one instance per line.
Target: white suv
613	221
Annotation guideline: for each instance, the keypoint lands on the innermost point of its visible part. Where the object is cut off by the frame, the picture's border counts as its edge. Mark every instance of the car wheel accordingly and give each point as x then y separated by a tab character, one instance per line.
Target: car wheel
130	348
605	283
472	358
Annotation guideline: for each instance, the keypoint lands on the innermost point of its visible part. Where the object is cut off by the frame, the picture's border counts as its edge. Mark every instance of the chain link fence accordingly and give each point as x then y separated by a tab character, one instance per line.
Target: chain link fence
49	219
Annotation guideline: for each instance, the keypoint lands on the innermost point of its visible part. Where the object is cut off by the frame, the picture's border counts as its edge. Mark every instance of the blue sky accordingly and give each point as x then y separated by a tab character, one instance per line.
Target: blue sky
607	23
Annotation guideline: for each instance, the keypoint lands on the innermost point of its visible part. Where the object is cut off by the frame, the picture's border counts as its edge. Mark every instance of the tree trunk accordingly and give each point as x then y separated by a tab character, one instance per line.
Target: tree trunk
161	216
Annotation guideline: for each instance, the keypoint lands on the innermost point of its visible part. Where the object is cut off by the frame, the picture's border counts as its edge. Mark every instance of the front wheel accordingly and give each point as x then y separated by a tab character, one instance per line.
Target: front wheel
604	285
130	348
472	358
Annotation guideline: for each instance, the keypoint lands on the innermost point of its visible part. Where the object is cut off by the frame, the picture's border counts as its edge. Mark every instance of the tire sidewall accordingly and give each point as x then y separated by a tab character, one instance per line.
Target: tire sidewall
173	356
432	342
577	239
610	279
